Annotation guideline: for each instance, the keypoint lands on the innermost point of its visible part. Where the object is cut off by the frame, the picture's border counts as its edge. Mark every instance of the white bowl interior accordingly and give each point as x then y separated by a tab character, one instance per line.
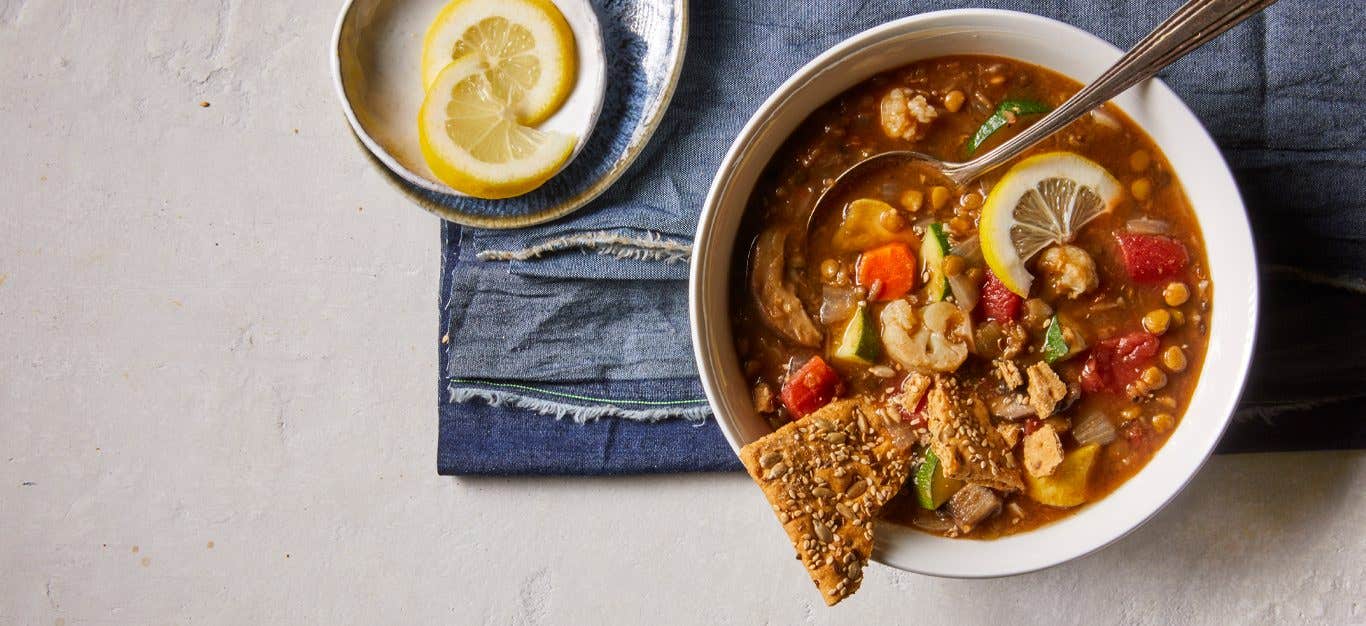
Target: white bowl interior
378	70
1193	155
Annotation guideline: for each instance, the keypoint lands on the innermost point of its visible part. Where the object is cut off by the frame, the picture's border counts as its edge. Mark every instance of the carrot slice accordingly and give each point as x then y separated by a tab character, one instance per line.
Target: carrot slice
891	267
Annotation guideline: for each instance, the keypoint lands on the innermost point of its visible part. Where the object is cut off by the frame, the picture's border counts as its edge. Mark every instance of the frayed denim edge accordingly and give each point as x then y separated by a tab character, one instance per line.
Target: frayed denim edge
580	414
652	247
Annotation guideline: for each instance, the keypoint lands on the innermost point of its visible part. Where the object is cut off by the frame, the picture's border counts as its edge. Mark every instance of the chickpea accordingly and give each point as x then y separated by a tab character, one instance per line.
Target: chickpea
953	100
972	200
1174	359
1176	294
939	196
954	265
892	220
1163	422
912	200
1153	378
1178	318
1141	188
1157	321
1129	414
841	277
1139	160
960	226
829	269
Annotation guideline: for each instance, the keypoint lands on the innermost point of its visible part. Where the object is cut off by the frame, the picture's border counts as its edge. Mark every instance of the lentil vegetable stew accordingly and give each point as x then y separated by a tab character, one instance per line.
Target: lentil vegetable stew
1035	337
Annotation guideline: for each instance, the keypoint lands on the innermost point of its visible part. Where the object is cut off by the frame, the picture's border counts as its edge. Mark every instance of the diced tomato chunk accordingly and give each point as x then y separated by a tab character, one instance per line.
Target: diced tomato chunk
1150	258
811	387
1118	361
998	301
893	264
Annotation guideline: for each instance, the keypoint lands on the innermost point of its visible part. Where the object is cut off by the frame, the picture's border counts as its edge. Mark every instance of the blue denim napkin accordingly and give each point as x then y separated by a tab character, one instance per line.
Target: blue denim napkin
565	347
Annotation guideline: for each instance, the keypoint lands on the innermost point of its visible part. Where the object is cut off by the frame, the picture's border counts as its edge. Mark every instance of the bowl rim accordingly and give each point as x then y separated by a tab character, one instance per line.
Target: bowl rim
707	355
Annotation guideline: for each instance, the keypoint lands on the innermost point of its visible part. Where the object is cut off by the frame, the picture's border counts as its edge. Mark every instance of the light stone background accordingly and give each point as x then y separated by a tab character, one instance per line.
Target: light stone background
217	363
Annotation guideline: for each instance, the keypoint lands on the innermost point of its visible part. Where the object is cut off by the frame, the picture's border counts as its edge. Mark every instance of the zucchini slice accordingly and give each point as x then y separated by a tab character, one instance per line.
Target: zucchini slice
1056	343
932	488
860	342
933	249
1004	112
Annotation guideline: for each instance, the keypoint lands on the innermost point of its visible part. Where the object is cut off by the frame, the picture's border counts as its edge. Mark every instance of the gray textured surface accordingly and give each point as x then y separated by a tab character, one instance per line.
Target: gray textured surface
203	338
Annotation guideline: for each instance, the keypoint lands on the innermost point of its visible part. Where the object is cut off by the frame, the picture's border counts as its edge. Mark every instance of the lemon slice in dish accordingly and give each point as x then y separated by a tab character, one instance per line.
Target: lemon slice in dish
472	140
1042	200
526	46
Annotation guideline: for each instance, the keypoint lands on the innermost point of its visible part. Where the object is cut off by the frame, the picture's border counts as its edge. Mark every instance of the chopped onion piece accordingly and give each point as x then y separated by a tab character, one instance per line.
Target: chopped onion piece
1093	427
1105	119
970	249
965	292
931	521
1148	226
837	304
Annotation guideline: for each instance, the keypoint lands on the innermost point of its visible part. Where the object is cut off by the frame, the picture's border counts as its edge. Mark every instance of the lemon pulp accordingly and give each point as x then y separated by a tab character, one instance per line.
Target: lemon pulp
472	139
526	47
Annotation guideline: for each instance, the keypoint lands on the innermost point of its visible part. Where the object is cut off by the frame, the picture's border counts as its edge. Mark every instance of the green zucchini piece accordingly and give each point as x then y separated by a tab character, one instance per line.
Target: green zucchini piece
999	119
932	488
1054	346
933	249
860	342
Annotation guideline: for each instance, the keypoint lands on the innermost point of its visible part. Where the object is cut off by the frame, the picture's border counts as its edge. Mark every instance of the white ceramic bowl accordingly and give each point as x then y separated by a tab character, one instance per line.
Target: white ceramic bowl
1198	165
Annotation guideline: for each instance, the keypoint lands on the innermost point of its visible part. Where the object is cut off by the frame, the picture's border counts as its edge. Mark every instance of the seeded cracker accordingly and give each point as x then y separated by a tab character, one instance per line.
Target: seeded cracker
827	476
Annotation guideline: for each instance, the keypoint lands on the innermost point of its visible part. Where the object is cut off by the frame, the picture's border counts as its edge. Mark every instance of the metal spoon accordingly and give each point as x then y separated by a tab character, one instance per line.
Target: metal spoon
1195	23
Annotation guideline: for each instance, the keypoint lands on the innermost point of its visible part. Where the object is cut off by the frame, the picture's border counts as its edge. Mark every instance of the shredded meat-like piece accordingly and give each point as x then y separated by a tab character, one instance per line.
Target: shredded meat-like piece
1009	373
1010	433
763	398
1042	451
966	442
1045	389
913	389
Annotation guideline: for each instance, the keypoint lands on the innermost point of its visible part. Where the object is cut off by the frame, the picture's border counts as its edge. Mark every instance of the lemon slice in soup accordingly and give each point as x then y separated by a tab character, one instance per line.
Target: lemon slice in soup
526	46
473	142
1042	200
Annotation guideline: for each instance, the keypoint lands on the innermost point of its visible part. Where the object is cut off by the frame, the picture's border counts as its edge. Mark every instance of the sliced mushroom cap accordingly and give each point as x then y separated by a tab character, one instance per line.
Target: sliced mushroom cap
782	310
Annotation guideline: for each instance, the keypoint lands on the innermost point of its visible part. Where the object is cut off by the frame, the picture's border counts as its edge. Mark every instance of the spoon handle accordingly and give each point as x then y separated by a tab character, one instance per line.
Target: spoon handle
1195	23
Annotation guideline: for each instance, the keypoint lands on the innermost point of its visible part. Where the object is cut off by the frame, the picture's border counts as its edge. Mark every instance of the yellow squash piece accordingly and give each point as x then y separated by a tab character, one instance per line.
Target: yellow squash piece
1066	487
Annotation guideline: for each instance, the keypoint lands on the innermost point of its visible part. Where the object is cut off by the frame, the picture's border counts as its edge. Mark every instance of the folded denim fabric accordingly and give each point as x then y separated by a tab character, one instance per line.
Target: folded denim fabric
598	298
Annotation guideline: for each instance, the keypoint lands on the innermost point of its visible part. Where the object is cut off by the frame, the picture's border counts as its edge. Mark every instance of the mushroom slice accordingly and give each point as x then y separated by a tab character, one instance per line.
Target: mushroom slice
778	302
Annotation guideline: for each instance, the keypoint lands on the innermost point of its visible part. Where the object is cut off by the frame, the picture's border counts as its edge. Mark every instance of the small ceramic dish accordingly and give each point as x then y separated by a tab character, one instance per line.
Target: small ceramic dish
628	65
1197	163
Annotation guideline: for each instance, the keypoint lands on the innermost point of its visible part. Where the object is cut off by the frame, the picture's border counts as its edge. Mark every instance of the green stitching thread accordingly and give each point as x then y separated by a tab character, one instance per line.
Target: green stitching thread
575	396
